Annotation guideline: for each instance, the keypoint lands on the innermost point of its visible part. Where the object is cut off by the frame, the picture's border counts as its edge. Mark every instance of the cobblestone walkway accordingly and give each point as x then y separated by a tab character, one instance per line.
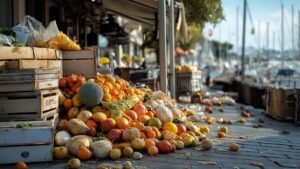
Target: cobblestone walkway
263	147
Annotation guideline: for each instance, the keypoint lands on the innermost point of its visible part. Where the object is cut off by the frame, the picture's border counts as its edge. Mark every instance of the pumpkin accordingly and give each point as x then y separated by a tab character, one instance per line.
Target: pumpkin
164	146
84	115
21	165
61	138
153	121
138	144
151	104
101	148
90	94
234	147
77	127
164	114
179	144
131	133
75	142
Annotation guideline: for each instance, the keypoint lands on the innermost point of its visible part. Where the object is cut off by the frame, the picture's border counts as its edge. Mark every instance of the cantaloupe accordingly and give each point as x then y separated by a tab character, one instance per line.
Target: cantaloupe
90	94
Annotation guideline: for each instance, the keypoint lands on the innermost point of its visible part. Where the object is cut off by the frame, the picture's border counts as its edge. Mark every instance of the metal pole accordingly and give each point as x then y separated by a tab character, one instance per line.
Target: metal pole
259	40
282	35
172	49
162	45
244	41
298	34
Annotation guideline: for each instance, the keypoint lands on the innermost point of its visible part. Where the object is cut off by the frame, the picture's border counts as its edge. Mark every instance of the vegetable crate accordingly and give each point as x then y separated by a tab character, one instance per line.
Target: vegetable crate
187	82
281	103
81	62
29	58
28	80
28	141
36	105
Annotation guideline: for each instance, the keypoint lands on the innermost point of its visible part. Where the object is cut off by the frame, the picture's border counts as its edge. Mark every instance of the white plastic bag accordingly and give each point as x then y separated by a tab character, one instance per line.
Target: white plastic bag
6	40
38	34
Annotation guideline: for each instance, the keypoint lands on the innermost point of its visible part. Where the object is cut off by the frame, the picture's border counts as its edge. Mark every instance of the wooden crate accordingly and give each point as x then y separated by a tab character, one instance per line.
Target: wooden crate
37	105
14	53
15	80
33	64
281	103
297	110
190	75
32	144
185	85
81	62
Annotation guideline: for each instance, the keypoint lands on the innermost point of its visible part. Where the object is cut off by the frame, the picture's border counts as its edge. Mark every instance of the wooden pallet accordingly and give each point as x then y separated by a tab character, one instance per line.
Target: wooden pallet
14	53
32	144
37	105
81	62
14	80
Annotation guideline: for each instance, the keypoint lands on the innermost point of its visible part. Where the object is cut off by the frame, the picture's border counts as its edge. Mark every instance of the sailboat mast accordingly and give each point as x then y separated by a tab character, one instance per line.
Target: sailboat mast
244	40
282	34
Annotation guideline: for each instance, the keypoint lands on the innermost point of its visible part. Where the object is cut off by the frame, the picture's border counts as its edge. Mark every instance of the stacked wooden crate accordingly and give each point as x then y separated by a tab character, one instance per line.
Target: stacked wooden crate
28	103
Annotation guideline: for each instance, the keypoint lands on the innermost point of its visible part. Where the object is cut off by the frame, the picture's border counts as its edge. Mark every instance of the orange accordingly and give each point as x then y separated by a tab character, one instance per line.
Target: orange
140	109
129	91
157	132
122	123
140	126
143	136
114	92
131	114
149	143
105	88
68	104
84	153
151	134
91	124
109	85
21	165
99	117
153	151
107	97
169	126
221	134
150	113
117	86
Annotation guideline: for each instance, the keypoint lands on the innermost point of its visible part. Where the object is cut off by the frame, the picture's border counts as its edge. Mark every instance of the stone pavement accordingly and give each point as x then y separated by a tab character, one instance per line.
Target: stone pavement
263	147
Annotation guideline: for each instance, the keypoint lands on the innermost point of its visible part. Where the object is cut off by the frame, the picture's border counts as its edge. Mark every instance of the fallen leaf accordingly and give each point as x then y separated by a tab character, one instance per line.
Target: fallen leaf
108	165
188	155
208	162
256	164
222	150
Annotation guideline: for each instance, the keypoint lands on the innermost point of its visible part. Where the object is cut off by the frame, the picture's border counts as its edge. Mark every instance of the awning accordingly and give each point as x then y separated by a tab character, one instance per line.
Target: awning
143	11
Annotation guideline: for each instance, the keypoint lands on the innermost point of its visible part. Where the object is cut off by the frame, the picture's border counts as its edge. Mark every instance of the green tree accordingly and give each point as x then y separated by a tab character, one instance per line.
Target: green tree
198	13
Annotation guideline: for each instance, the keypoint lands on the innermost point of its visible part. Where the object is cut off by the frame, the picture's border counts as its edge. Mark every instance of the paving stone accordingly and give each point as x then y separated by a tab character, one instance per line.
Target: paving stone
286	162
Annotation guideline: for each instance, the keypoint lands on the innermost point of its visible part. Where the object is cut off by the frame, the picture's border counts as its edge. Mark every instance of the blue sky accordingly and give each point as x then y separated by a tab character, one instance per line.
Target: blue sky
262	11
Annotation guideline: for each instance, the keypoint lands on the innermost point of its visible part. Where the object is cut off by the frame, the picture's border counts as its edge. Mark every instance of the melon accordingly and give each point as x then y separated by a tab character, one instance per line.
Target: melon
90	94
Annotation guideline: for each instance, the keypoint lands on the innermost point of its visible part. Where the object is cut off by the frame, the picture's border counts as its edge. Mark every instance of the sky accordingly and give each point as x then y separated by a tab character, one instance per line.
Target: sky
262	11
